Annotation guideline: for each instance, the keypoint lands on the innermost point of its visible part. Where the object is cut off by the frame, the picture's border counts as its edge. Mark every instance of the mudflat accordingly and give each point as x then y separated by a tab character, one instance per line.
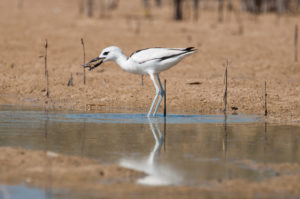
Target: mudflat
46	168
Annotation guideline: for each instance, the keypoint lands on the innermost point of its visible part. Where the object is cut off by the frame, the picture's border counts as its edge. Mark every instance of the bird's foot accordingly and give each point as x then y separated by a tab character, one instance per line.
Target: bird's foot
151	116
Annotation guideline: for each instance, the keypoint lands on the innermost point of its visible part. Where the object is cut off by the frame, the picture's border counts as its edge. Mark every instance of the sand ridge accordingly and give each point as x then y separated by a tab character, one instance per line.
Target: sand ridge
46	169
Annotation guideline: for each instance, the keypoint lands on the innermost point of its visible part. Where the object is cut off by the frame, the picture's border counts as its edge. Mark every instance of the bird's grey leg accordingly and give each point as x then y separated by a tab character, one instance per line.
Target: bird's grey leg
156	94
158	143
153	131
161	95
162	139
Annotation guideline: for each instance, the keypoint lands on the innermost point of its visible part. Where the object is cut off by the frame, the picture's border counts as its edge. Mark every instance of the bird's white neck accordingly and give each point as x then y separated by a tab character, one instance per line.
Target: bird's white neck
126	64
121	60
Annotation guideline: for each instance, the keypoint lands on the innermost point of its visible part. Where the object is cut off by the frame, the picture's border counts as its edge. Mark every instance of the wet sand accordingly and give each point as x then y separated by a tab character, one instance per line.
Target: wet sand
47	169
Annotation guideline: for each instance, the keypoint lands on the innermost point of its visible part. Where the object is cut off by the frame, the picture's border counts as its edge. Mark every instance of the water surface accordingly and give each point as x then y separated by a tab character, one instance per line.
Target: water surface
187	150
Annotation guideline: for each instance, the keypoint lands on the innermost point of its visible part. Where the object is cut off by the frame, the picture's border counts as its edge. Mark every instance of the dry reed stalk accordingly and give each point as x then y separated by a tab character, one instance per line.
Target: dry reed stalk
102	7
225	91
239	21
46	69
266	110
196	10
89	7
20	4
83	48
70	82
220	10
80	6
296	43
142	80
165	98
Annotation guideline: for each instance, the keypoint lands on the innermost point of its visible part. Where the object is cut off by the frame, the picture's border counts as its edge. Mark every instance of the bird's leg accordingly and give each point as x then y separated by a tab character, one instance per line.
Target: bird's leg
158	143
162	139
153	131
160	97
156	94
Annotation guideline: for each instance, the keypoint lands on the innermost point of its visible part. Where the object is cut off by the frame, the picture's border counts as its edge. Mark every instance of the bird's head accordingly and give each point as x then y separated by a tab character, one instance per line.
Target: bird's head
108	54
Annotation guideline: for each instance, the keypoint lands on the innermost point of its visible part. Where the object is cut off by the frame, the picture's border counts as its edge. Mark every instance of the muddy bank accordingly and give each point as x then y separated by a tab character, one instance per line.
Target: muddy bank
51	170
39	168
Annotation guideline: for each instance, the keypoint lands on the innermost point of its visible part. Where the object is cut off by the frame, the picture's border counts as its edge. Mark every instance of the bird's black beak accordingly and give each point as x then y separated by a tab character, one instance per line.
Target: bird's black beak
90	64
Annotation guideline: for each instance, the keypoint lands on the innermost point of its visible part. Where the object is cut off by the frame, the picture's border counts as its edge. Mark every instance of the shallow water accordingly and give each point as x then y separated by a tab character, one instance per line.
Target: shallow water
24	192
186	150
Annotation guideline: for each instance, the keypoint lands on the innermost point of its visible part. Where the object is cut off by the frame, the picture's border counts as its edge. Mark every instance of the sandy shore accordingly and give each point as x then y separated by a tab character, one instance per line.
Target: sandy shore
263	52
45	169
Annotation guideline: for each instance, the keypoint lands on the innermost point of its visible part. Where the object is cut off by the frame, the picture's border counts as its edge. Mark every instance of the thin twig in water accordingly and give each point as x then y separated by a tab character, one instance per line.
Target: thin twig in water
165	98
165	133
225	91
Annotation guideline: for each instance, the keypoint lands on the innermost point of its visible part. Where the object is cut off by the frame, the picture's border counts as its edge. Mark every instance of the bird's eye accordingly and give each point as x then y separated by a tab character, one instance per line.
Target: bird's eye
105	53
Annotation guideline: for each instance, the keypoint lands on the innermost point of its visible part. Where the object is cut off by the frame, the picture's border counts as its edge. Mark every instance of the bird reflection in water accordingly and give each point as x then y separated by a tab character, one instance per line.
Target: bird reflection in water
156	172
159	141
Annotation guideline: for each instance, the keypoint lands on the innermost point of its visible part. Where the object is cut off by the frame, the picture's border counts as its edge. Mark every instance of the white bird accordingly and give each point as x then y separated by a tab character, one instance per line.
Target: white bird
149	61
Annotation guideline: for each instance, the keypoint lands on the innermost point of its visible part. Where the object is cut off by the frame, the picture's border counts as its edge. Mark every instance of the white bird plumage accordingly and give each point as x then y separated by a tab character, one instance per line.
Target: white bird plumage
150	61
